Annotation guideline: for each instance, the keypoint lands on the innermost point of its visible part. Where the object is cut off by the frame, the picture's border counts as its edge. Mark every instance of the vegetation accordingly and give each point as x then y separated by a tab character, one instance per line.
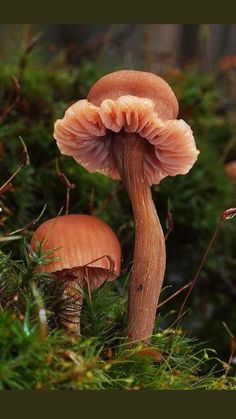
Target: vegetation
36	355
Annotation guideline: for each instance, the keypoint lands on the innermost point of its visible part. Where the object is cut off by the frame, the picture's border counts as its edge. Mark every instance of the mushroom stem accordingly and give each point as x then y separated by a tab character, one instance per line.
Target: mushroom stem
72	295
149	252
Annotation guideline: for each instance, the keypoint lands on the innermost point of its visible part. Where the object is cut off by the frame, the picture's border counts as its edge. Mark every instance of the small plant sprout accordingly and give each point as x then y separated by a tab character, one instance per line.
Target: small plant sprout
127	129
86	252
25	161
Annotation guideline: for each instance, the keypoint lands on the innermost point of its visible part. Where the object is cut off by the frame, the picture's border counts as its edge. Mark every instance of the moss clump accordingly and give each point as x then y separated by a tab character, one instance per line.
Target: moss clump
33	356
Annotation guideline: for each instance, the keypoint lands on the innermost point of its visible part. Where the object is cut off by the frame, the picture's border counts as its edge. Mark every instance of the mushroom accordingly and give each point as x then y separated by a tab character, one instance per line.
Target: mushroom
127	129
85	250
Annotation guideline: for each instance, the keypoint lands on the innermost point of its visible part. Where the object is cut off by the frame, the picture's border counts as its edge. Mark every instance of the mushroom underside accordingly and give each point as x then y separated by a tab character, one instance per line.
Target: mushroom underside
87	134
94	277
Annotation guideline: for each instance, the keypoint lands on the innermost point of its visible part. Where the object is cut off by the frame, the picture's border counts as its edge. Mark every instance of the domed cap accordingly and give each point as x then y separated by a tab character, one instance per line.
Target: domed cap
80	241
139	84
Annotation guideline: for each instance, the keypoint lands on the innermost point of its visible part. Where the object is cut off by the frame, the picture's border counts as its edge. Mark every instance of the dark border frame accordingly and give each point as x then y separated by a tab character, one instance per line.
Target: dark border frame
149	403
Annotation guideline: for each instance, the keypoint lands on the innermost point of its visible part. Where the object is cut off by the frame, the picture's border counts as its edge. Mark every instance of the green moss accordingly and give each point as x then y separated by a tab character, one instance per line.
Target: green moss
55	360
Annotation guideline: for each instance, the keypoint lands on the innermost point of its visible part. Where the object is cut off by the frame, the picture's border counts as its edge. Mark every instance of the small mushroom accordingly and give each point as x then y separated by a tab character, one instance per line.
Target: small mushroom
85	251
127	129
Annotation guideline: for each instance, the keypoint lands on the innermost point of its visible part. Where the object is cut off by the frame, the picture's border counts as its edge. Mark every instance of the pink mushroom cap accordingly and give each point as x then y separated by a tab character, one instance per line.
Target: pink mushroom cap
136	83
135	102
80	242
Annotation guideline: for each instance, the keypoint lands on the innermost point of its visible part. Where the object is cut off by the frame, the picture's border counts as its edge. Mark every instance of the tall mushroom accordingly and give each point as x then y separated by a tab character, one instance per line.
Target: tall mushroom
126	129
84	251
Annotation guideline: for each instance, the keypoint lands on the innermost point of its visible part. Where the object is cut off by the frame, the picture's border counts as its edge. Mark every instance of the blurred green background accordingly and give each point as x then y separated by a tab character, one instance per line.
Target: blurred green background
45	68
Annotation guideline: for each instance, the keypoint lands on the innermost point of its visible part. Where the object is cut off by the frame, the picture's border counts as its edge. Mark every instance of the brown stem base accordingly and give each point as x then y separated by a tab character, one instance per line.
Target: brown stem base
149	252
72	302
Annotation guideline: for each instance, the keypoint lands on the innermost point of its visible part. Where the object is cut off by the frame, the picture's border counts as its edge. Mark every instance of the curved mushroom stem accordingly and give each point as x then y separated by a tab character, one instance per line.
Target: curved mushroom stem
149	253
73	299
